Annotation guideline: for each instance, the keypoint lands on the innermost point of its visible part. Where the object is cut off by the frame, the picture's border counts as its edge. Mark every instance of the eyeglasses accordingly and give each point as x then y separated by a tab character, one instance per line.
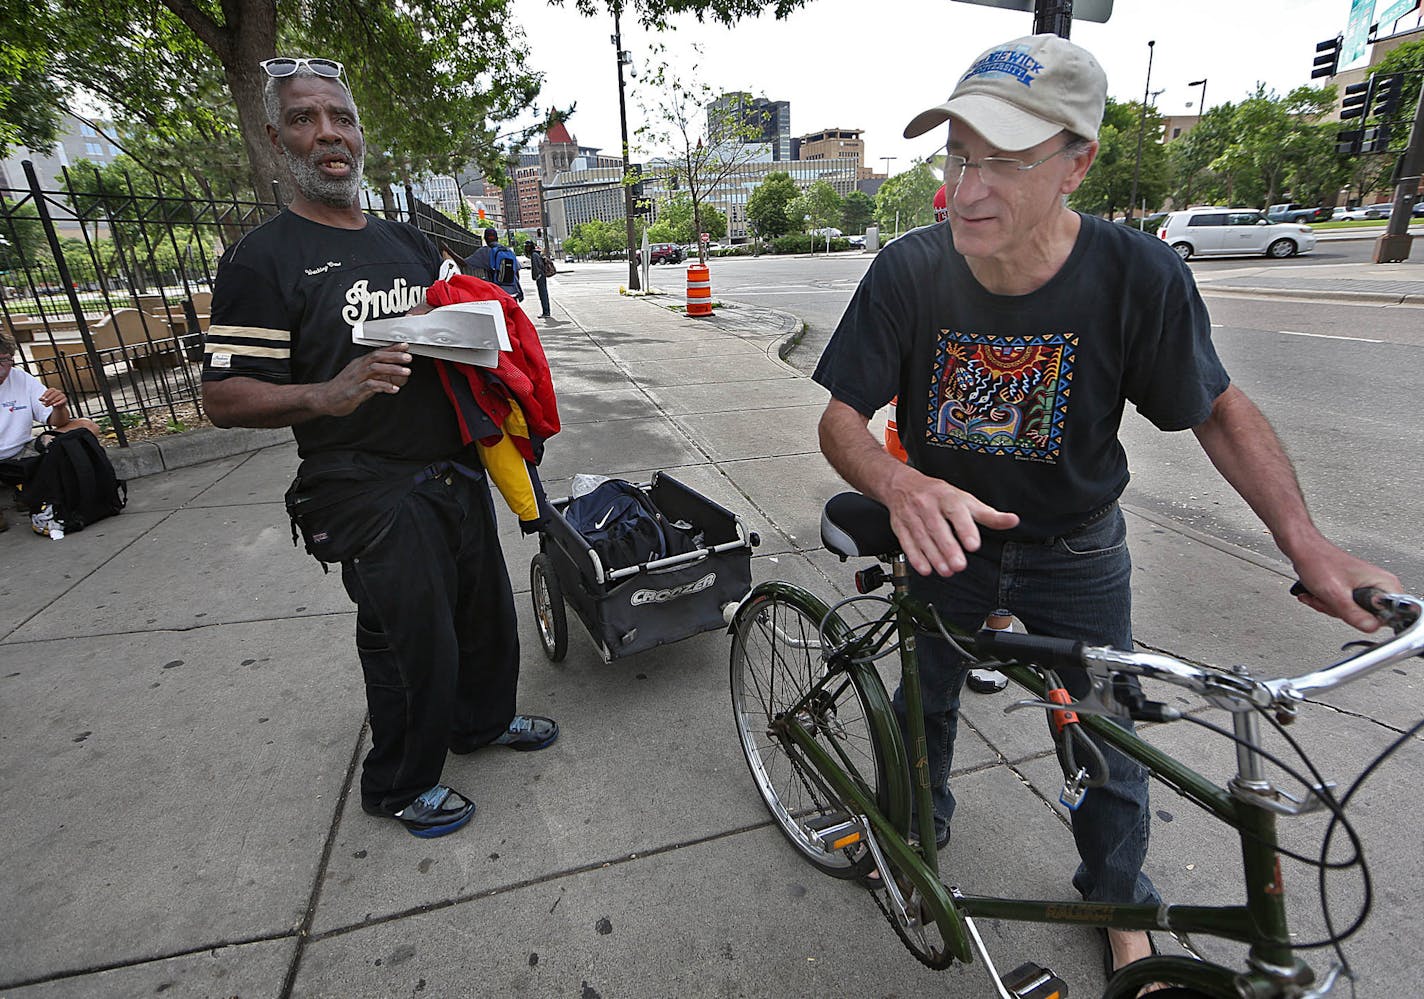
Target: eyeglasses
282	66
993	169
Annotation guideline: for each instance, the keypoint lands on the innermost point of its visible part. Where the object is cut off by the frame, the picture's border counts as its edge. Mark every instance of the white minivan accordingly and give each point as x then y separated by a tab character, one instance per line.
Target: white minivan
1213	231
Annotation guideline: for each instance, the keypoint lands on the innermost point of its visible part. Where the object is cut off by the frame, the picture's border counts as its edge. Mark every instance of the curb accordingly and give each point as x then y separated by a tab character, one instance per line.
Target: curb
1358	297
192	448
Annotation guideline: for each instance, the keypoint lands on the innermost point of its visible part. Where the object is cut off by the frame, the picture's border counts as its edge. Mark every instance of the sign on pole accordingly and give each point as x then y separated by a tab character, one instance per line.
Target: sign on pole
1395	11
1354	49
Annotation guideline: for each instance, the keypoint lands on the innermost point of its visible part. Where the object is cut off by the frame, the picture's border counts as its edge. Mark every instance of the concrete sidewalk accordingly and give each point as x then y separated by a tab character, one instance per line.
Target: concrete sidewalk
182	724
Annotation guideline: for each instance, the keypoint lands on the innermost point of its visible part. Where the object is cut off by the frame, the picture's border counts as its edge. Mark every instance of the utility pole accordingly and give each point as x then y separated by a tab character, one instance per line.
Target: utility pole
887	160
1393	247
625	57
1053	17
1141	127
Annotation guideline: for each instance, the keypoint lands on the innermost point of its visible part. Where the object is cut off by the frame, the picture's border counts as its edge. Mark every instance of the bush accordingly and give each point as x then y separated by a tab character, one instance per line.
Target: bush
803	243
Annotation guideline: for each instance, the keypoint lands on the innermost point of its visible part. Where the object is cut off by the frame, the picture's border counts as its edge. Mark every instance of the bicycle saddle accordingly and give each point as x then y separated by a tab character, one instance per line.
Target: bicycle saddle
853	524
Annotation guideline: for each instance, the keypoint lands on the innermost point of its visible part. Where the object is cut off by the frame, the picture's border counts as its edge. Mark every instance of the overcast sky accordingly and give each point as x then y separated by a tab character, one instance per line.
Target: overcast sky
821	56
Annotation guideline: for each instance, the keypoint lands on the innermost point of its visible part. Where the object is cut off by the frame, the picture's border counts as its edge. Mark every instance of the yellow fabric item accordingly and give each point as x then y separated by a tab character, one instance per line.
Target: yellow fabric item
508	470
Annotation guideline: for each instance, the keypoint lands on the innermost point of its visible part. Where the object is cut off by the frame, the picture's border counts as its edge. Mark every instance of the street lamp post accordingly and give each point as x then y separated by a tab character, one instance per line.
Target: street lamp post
623	58
1201	105
1141	128
888	160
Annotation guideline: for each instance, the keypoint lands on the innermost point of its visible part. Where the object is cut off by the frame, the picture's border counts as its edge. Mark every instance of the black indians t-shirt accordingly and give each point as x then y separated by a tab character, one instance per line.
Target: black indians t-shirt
1018	399
284	305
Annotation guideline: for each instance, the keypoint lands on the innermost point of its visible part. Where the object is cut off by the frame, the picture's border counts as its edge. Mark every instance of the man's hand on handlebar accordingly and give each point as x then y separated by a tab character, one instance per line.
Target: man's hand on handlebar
1330	576
937	523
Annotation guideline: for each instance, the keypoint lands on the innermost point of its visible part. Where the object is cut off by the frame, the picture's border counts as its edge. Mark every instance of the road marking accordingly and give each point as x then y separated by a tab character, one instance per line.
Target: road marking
1328	336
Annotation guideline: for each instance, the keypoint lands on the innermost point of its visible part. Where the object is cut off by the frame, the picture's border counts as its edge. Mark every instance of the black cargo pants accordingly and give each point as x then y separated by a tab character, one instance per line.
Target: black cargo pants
436	635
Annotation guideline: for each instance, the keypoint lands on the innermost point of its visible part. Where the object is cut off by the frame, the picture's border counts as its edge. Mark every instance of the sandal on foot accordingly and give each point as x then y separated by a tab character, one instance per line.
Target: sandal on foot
529	732
437	812
1110	966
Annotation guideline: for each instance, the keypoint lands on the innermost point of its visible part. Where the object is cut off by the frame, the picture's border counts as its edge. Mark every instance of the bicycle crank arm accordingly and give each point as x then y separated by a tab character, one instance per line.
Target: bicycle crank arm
1027	981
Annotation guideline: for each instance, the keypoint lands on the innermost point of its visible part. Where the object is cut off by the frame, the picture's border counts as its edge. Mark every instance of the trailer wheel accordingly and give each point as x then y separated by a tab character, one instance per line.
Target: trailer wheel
549	612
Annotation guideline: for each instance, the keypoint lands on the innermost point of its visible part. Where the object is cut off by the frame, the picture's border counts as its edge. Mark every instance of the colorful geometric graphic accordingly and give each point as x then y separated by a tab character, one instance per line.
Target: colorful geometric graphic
1001	395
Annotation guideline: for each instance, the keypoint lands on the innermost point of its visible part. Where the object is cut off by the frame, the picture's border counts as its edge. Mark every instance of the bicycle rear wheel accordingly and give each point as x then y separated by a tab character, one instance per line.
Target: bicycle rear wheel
777	667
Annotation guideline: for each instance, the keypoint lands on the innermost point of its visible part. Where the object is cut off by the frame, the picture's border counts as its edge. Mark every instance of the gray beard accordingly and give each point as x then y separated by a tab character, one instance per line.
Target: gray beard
317	186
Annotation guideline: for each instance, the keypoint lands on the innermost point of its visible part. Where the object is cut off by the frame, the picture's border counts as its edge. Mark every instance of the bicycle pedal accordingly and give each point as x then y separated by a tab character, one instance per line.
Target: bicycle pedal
1032	981
836	831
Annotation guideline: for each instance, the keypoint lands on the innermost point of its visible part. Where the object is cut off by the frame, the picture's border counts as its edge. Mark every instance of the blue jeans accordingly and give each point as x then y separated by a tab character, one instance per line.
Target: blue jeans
1076	586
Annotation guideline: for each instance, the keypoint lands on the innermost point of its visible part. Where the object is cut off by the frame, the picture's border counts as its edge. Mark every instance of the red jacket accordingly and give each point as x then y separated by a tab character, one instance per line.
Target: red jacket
523	370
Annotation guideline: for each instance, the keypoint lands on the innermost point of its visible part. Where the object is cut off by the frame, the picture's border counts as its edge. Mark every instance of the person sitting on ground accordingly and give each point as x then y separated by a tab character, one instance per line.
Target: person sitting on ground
24	402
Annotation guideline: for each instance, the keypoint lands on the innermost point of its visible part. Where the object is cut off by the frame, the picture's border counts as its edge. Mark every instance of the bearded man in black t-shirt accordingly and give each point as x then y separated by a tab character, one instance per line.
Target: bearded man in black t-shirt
385	486
1013	334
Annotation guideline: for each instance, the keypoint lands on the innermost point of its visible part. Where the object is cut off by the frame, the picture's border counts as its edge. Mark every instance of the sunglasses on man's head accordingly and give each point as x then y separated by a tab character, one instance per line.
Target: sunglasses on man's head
282	66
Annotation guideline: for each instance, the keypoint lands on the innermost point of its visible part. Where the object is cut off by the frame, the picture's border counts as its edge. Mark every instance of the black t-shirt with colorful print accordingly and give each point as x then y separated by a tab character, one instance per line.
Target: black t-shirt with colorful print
1018	399
286	299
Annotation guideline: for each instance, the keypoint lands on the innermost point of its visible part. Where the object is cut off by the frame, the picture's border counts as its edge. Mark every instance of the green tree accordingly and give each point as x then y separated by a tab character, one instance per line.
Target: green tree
857	213
1108	184
1269	136
906	200
674	102
767	208
29	99
822	204
677	219
433	78
1190	158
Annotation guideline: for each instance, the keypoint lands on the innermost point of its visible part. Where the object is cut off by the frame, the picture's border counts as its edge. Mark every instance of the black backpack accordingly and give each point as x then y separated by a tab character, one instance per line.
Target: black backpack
622	525
75	477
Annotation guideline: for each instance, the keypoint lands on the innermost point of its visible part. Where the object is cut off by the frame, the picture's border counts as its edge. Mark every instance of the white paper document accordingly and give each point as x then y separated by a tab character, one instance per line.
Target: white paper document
466	332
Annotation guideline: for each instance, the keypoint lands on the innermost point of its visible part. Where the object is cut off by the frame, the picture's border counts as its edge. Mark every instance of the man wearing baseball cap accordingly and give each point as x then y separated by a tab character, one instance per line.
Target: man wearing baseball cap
1013	334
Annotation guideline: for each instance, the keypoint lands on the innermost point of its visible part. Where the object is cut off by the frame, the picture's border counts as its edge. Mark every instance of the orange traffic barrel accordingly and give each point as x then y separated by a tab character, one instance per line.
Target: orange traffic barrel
699	290
892	435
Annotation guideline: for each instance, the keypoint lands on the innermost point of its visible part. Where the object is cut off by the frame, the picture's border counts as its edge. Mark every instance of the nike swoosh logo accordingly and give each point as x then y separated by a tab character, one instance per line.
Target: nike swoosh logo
599	526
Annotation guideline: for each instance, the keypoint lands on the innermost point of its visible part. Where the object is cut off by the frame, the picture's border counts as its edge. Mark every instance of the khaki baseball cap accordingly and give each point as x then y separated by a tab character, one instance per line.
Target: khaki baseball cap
1024	92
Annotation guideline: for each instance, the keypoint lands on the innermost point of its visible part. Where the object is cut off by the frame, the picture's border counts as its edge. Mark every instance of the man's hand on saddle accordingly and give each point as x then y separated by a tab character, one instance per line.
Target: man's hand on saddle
1332	575
381	372
937	523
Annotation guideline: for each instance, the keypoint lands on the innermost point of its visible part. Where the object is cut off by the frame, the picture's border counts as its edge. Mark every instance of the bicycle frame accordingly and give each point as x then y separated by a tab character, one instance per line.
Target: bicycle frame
1261	922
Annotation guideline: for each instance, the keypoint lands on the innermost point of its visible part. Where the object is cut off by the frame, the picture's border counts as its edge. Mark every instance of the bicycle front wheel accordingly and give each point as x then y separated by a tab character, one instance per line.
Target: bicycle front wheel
777	668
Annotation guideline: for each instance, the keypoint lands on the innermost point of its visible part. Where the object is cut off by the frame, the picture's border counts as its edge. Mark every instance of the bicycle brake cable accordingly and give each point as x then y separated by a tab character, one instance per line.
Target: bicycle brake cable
1336	809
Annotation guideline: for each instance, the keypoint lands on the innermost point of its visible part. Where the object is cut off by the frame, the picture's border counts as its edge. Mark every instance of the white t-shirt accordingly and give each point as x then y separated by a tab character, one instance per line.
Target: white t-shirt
20	410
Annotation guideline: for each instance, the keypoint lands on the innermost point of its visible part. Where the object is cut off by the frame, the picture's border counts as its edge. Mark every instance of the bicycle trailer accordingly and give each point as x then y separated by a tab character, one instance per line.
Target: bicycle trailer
629	609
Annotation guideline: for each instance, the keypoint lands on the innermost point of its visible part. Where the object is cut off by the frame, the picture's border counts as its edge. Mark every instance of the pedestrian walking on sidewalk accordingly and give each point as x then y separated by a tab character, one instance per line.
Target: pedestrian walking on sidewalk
539	269
385	487
981	325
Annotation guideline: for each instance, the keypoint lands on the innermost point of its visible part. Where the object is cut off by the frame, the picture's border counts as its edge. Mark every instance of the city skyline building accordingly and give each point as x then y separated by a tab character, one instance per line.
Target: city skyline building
739	117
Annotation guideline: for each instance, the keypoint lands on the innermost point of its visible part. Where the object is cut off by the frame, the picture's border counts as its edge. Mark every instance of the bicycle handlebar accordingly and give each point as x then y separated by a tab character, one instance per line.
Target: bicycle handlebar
1402	610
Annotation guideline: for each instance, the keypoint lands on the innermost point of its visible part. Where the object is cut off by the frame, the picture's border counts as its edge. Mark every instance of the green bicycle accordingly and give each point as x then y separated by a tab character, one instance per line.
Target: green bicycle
827	755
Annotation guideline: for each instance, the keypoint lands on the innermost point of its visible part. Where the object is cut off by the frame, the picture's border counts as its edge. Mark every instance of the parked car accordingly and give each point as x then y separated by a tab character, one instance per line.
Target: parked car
857	241
1382	211
1215	231
665	253
1297	213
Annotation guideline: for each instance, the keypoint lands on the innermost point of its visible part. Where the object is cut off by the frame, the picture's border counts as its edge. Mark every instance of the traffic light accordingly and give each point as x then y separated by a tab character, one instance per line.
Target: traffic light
1357	100
1348	143
1386	95
1375	139
1327	58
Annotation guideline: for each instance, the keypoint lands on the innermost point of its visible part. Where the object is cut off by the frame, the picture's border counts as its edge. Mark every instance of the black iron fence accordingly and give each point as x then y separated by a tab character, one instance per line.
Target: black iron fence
105	287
